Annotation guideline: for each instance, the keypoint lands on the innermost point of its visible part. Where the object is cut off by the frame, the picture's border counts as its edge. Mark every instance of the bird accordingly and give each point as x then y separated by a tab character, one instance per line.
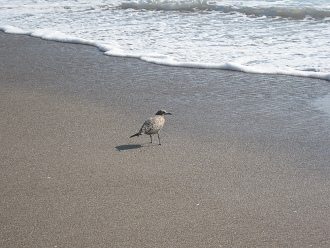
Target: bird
153	125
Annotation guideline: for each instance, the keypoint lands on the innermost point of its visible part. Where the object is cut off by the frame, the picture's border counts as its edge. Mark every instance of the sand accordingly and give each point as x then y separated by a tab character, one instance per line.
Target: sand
244	160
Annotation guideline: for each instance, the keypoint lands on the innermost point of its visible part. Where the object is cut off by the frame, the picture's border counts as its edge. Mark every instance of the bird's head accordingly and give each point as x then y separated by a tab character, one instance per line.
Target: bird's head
163	112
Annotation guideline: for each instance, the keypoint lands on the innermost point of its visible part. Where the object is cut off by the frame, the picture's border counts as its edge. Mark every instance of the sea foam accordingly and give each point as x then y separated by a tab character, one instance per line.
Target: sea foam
13	30
113	50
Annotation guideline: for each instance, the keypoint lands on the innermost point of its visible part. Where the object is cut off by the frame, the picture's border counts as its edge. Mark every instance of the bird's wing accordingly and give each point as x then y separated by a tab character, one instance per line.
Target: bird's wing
147	125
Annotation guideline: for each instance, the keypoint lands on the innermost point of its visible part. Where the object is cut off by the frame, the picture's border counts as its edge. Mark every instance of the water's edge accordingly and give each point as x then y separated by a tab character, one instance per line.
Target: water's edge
159	59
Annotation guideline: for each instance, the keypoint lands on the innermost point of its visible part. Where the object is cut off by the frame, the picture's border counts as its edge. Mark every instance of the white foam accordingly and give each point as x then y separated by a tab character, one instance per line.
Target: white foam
47	34
114	50
239	67
13	30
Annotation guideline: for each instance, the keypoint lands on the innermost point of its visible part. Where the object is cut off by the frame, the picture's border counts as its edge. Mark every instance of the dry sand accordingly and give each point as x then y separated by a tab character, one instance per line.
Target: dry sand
244	161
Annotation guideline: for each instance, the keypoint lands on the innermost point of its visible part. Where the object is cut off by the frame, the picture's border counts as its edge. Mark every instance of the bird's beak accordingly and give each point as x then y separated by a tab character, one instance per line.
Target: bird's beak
168	113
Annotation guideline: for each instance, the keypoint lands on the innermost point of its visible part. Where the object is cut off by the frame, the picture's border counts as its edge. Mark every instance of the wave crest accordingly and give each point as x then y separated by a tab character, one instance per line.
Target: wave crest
282	12
168	5
193	5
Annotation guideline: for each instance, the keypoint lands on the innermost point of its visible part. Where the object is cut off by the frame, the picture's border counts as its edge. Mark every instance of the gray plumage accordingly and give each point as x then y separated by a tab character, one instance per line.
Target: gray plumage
153	125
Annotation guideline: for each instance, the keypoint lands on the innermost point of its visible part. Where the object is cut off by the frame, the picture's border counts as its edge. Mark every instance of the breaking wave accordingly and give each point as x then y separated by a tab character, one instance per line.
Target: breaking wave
168	5
296	13
282	12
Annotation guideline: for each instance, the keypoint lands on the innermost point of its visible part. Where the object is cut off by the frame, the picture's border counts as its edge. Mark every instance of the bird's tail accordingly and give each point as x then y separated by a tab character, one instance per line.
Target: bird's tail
137	134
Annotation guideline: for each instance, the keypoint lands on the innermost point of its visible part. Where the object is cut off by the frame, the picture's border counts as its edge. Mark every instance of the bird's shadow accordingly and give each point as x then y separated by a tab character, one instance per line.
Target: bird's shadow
128	147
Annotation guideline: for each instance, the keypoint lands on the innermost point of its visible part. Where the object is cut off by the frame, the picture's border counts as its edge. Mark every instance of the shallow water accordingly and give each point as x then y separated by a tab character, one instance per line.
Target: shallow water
286	37
323	104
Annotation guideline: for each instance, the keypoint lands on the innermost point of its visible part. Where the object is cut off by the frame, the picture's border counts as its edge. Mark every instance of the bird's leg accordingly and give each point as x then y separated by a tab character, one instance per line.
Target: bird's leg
150	138
158	139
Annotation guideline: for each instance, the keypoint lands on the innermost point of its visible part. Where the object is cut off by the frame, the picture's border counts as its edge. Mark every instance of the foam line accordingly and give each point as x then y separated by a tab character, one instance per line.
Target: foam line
112	50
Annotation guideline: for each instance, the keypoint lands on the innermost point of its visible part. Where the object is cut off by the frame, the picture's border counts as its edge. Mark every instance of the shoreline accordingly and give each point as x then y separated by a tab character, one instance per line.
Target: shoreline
244	160
107	49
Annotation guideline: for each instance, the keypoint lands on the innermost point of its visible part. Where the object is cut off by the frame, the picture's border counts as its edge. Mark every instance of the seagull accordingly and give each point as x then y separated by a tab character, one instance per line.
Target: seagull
153	125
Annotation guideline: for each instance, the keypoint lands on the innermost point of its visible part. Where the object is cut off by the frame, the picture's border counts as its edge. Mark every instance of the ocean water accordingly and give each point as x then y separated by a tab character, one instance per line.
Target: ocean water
255	36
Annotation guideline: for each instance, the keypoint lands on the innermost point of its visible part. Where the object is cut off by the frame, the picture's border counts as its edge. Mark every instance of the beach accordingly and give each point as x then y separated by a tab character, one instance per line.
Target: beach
244	160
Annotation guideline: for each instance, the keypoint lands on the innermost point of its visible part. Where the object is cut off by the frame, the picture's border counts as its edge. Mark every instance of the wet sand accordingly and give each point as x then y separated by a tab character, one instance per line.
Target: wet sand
244	161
